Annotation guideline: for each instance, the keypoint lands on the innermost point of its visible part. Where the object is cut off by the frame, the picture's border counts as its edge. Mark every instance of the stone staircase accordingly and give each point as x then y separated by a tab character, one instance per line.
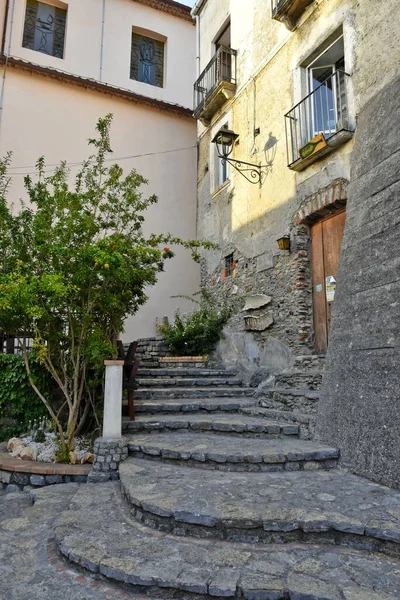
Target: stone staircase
295	394
218	499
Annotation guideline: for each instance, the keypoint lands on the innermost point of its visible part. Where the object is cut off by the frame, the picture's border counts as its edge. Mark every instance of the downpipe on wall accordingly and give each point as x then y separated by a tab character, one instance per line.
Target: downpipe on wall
7	54
103	24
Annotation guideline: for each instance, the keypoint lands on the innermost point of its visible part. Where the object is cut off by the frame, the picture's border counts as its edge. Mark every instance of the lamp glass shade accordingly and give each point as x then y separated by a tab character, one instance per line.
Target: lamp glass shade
284	243
225	139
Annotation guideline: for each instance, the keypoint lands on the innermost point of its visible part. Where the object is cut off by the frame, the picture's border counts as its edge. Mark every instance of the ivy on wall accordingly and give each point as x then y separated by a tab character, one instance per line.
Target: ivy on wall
18	402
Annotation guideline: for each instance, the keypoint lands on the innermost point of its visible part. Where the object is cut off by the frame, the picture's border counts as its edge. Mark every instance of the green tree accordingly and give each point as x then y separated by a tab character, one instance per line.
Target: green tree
74	264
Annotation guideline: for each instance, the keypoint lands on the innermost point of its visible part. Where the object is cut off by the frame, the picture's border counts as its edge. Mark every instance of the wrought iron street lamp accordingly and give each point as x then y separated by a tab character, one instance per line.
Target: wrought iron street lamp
225	140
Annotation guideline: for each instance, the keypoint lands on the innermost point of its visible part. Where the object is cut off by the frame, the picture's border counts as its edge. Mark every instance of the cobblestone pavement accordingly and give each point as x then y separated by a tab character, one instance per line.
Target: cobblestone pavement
98	533
30	567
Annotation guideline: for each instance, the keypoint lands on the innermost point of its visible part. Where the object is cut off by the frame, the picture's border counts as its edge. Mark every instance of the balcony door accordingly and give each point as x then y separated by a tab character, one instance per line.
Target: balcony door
224	62
326	89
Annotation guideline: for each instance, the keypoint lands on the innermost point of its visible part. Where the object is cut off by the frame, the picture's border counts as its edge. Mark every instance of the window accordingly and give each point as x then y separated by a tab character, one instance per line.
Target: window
326	83
44	29
230	267
147	60
221	171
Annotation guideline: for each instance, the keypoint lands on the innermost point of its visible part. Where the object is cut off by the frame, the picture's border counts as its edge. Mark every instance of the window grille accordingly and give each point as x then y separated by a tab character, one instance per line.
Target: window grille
230	265
147	60
44	28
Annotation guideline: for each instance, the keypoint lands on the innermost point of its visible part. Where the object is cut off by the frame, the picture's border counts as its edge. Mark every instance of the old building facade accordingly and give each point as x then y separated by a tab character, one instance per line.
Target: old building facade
65	64
281	76
303	90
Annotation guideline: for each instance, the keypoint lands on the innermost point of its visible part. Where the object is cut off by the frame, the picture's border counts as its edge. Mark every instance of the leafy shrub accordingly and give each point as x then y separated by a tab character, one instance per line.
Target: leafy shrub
196	333
18	402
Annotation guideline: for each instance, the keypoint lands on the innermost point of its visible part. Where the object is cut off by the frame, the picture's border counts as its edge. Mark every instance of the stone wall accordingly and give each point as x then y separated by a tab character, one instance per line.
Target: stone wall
360	408
284	281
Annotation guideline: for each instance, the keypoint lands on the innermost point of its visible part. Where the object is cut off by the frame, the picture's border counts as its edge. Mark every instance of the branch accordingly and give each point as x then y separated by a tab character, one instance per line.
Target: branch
39	393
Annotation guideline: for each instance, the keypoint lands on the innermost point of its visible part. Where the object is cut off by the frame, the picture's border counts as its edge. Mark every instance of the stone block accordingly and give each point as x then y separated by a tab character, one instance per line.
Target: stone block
20	478
265	261
53	479
37	480
5	476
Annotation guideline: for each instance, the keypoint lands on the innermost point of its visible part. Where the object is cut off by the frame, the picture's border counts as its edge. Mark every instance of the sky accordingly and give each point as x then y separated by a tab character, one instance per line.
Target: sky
188	2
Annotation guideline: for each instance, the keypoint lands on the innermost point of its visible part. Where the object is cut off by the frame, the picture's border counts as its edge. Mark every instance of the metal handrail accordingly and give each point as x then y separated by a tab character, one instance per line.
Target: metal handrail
316	90
324	110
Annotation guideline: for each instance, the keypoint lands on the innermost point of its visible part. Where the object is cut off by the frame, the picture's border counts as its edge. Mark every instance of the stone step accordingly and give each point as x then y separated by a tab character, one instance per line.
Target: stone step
239	425
309	380
223	452
305	401
161	382
205	405
182	372
196	392
98	534
305	421
330	507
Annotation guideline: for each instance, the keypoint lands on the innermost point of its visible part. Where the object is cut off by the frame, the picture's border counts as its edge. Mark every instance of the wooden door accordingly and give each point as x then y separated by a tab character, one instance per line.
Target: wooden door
326	239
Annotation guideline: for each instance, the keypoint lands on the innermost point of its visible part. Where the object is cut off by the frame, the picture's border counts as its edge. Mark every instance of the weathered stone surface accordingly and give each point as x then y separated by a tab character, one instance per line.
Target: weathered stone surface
192	392
30	566
225	449
97	533
360	409
257	301
218	422
313	501
202	405
259	322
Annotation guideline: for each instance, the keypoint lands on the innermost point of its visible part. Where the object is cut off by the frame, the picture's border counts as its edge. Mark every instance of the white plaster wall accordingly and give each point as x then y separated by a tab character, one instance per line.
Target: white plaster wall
83	45
44	116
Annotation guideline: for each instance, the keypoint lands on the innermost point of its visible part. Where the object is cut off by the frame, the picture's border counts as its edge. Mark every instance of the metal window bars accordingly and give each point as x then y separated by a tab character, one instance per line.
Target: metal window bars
323	111
222	67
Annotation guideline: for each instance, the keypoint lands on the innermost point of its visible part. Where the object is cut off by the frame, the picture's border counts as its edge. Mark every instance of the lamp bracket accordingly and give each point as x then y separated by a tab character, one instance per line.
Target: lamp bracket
250	171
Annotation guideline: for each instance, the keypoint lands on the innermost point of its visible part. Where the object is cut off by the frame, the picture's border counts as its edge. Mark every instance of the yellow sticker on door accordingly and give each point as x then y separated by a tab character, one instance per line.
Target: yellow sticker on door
330	288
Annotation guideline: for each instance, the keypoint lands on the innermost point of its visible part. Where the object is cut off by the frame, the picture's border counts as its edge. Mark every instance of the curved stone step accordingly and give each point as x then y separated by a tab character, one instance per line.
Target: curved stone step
188	382
224	452
328	507
215	422
205	405
98	534
195	392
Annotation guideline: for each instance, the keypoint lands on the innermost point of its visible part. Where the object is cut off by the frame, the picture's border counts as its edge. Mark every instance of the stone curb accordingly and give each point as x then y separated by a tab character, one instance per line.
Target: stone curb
14	471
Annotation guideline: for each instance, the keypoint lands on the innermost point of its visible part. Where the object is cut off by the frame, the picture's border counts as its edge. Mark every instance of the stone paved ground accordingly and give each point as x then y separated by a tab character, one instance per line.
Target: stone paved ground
30	567
98	533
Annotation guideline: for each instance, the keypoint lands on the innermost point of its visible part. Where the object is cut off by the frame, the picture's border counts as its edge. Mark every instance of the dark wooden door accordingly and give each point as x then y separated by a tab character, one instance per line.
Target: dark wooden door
326	239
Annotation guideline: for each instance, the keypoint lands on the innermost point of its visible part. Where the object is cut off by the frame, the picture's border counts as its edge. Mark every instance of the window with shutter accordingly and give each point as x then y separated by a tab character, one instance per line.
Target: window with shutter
147	60
44	28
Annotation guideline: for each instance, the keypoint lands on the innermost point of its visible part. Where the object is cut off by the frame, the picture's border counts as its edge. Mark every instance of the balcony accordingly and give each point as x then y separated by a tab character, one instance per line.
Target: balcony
289	12
319	123
216	84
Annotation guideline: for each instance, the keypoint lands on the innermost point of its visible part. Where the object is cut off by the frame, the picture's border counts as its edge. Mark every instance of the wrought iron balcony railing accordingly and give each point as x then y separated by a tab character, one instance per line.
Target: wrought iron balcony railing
319	123
218	76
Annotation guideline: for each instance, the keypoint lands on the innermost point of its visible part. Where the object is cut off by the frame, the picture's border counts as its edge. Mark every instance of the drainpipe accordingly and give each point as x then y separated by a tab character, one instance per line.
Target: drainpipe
3	83
198	45
103	22
3	41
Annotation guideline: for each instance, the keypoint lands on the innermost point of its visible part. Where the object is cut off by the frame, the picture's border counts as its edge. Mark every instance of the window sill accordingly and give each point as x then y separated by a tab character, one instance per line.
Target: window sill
221	188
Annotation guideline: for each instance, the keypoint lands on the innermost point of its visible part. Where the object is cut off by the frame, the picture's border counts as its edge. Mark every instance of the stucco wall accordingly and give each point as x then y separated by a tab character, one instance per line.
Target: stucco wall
83	45
43	116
